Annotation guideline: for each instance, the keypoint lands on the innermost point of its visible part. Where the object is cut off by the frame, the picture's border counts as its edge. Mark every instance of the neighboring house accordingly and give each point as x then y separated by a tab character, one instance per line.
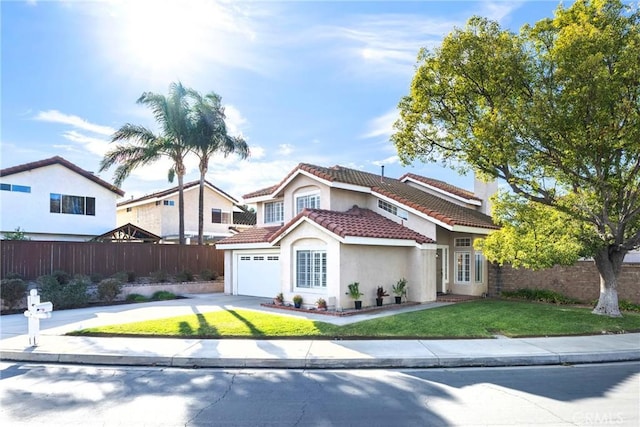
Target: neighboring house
53	199
321	229
158	213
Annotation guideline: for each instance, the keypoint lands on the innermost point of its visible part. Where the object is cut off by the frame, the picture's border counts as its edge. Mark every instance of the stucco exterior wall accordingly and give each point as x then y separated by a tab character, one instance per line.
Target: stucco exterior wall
31	211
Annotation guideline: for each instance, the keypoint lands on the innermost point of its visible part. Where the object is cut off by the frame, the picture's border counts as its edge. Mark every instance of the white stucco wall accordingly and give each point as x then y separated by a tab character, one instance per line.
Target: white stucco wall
31	211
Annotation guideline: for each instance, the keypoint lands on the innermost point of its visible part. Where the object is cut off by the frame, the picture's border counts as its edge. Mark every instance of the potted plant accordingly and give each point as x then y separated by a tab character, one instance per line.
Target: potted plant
321	303
279	299
297	301
380	293
400	290
355	294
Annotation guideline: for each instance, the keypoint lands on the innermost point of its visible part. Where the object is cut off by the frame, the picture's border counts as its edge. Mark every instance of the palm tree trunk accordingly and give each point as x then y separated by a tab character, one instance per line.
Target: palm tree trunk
609	264
201	208
181	206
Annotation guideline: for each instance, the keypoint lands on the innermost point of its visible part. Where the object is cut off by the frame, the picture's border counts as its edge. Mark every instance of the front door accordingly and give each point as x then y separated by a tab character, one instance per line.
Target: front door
442	268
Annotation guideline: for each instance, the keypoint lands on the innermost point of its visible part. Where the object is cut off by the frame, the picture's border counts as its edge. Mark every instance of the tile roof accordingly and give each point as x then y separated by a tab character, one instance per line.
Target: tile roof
173	190
436	207
62	162
357	222
252	235
244	217
262	192
444	186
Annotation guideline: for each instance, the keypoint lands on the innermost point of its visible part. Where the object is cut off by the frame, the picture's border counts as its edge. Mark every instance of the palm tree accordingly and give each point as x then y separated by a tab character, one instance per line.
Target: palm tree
208	137
145	147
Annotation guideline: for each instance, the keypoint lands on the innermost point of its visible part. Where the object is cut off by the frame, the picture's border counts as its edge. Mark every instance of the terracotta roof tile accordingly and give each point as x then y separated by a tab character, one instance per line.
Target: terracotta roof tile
251	235
63	162
444	186
357	222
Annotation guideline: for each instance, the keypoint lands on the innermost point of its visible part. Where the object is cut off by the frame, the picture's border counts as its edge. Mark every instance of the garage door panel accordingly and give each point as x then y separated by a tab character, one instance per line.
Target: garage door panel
259	274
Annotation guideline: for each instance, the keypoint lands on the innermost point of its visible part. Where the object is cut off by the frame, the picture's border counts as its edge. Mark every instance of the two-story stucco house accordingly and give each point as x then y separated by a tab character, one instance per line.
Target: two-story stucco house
158	213
53	199
321	229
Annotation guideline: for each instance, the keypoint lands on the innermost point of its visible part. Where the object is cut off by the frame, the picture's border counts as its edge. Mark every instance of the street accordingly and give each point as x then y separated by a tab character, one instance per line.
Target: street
66	395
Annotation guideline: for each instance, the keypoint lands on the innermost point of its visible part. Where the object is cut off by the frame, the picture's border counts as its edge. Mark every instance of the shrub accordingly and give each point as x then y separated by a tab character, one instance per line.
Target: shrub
625	305
207	274
122	276
184	276
96	277
131	276
12	291
159	276
62	277
109	289
68	295
163	296
13	276
542	295
137	298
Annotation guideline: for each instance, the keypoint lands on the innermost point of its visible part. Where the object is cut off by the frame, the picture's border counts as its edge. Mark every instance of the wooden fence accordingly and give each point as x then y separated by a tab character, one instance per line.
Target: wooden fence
32	259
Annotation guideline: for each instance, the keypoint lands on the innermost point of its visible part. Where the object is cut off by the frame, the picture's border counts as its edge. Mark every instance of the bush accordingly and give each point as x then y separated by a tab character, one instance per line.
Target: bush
159	276
68	295
12	291
14	276
542	295
62	277
137	298
184	276
625	305
96	277
162	296
109	289
207	275
122	276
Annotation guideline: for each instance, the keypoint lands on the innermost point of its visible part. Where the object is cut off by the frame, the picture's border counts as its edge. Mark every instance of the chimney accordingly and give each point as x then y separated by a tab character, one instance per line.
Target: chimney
484	191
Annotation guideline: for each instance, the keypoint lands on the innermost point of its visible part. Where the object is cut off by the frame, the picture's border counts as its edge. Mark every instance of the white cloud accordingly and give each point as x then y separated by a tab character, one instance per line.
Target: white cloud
55	116
498	10
94	145
257	152
234	120
382	126
285	149
388	161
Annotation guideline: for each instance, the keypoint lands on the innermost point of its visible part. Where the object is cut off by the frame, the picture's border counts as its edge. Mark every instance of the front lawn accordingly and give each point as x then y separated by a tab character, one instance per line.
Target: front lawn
476	319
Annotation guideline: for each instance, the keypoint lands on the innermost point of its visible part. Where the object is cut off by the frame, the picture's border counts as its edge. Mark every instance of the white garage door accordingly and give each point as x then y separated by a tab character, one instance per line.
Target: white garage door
259	274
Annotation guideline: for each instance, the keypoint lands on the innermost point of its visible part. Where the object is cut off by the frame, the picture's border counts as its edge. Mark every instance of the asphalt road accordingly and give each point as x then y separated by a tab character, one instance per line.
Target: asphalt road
65	395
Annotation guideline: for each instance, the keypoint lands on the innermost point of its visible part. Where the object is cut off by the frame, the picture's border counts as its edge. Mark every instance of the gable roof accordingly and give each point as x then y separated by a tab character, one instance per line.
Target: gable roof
128	233
444	212
356	222
57	160
174	190
440	185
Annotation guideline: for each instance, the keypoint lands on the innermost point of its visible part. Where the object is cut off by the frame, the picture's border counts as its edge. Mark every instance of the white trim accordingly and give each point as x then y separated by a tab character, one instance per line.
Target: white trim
445	192
414	211
312	249
472	230
445	264
242	246
455	267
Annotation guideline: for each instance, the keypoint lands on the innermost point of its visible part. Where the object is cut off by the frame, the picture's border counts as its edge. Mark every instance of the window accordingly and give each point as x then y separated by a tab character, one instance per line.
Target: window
463	264
478	268
310	201
216	216
274	212
129	209
464	242
168	203
75	205
386	206
16	188
311	269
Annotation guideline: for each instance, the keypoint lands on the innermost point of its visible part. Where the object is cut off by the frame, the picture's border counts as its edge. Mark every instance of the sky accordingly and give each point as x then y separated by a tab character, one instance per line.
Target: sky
302	81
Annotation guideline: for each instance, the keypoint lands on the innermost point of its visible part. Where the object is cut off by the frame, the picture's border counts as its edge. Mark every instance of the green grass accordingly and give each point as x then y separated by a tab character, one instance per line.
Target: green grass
477	319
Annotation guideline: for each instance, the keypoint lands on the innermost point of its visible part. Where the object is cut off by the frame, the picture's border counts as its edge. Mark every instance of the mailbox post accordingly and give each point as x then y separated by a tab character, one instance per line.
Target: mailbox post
36	310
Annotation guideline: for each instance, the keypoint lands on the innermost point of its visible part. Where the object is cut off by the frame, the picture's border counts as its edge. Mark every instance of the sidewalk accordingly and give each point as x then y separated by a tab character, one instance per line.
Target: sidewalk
54	346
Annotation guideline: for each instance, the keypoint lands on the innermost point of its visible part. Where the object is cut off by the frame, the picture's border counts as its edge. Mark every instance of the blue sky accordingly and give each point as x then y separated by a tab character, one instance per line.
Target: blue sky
315	82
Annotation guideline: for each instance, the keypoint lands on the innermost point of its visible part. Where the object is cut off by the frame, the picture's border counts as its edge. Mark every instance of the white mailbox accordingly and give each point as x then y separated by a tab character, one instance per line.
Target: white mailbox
36	310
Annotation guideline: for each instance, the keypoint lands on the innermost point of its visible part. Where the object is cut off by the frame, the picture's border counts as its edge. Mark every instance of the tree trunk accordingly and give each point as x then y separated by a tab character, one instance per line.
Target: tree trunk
609	264
181	207
201	209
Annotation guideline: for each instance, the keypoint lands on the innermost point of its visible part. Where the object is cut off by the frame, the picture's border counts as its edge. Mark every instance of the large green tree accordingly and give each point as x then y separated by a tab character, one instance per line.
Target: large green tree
553	111
144	147
209	136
